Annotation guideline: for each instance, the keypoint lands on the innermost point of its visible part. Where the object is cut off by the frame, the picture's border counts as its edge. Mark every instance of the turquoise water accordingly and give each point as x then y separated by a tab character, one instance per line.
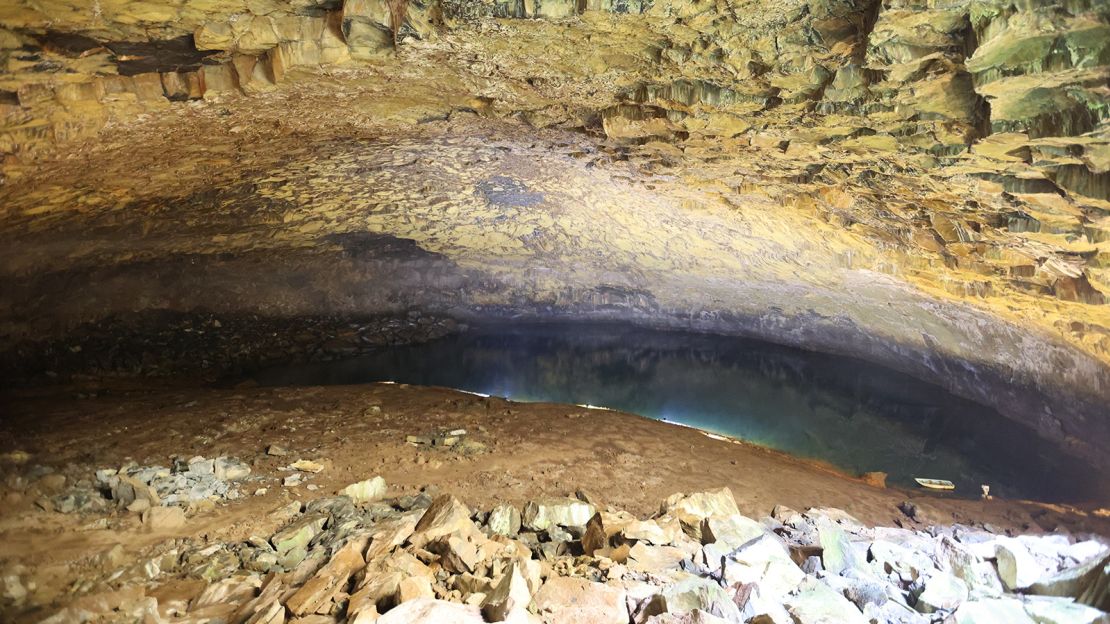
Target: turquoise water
852	414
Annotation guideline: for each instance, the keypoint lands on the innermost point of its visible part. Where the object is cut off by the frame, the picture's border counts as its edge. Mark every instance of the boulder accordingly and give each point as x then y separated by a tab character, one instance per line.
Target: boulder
414	588
229	469
764	561
730	532
980	576
164	518
503	520
908	563
991	611
457	554
1046	610
816	603
1016	566
691	509
595	537
298	534
328	581
696	593
510	597
366	491
1073	582
659	531
446	516
389	534
654	559
127	490
567	600
693	617
837	554
943	592
563	512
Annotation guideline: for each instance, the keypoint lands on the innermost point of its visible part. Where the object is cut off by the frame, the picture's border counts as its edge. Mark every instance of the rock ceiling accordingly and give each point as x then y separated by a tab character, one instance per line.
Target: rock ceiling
924	184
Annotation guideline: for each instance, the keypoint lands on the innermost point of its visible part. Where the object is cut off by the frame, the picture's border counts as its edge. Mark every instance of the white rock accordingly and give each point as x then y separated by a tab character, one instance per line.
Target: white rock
564	512
693	508
816	603
366	491
991	611
431	611
1016	567
1045	610
943	592
698	593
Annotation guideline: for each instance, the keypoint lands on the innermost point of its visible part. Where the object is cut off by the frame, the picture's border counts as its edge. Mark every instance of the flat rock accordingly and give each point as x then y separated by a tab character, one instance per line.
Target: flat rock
164	518
567	600
321	588
432	611
943	592
564	512
691	509
816	603
1046	610
991	611
298	534
366	491
700	594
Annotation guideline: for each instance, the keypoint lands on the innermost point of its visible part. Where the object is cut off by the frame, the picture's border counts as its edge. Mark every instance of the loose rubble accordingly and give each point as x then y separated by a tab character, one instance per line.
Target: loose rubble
140	488
364	557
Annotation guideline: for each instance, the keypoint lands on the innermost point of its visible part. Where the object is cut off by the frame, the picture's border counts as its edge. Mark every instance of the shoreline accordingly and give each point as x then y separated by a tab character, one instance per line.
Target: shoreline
526	451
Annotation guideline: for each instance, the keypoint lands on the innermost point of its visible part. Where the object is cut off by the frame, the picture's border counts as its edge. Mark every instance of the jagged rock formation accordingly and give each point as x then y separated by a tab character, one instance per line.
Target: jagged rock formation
924	184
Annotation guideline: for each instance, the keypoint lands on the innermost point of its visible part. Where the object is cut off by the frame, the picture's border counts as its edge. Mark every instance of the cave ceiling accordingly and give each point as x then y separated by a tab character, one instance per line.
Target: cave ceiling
923	184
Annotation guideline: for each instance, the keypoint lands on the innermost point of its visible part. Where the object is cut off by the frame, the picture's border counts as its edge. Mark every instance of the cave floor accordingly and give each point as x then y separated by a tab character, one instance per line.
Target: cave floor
356	432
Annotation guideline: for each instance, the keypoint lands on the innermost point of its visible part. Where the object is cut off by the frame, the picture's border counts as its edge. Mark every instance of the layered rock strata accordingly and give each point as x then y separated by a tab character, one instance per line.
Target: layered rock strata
922	185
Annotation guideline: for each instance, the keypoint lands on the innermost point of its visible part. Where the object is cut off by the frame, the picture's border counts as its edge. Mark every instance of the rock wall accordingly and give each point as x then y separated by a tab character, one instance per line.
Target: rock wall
923	184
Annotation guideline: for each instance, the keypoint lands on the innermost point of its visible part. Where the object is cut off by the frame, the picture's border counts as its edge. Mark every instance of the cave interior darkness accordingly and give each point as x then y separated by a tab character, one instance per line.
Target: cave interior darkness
325	311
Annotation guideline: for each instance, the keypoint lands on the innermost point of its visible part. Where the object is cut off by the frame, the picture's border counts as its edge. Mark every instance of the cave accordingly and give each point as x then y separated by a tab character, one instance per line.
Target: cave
555	311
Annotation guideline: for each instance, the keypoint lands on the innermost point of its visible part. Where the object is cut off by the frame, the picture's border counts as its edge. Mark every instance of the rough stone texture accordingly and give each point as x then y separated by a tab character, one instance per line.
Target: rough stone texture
921	185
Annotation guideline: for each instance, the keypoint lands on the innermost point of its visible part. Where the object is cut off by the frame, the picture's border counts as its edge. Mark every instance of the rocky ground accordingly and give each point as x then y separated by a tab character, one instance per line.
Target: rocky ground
312	505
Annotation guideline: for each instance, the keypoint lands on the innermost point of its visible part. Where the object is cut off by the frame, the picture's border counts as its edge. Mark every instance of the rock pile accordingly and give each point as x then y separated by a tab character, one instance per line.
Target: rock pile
141	488
455	440
188	481
360	557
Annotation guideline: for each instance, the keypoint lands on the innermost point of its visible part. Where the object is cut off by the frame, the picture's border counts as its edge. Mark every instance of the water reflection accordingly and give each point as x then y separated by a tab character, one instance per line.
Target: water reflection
847	412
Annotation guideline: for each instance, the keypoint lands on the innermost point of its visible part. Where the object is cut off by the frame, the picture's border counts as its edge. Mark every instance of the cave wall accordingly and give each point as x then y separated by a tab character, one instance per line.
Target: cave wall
921	184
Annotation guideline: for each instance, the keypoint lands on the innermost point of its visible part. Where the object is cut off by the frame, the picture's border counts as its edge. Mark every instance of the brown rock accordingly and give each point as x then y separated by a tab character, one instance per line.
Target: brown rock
874	479
447	516
164	518
320	589
430	611
510	595
566	600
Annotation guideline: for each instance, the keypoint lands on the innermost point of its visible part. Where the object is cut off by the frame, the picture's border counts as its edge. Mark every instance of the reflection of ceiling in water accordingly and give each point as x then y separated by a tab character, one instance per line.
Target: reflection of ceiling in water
854	415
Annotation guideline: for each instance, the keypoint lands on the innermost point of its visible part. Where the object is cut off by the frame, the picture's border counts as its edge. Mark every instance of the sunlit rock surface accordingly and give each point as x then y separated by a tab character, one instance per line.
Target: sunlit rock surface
924	185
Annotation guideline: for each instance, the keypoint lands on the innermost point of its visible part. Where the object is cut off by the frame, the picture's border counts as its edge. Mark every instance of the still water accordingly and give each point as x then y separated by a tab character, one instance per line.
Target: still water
854	415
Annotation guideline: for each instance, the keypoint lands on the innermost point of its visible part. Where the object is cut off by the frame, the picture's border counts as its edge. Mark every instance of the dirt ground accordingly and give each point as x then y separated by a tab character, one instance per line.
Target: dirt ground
531	451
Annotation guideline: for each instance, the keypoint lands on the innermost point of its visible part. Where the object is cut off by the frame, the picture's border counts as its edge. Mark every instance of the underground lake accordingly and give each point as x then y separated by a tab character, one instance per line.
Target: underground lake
853	415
